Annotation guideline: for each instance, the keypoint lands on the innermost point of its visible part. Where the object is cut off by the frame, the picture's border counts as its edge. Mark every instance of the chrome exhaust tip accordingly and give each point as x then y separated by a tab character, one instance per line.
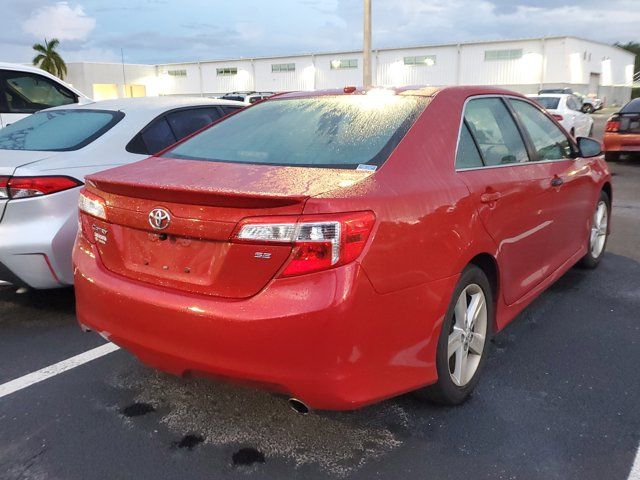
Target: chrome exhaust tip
298	406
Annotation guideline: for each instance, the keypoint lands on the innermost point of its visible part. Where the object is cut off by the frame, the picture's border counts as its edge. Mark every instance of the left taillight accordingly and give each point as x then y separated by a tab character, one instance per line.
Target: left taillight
28	187
92	204
319	242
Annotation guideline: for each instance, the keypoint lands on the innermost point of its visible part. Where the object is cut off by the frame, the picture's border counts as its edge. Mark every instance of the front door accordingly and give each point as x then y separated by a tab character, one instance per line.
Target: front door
511	194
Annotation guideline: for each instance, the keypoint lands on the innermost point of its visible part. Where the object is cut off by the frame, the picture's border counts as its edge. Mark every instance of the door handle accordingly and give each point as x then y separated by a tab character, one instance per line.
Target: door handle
490	197
556	181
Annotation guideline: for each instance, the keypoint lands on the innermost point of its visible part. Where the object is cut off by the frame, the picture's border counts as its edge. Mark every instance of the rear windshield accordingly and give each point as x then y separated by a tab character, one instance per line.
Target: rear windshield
632	107
332	131
550	103
58	130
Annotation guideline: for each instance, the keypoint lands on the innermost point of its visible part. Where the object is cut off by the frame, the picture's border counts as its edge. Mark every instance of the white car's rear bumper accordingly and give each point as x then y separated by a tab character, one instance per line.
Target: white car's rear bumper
36	239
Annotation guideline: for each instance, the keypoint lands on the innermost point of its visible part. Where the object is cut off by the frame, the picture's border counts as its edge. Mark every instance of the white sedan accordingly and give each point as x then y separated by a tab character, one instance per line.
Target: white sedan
566	109
45	157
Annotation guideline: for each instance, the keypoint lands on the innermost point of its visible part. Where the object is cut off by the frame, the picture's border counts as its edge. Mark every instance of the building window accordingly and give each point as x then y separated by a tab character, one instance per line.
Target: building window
421	60
342	64
177	73
226	71
512	54
283	67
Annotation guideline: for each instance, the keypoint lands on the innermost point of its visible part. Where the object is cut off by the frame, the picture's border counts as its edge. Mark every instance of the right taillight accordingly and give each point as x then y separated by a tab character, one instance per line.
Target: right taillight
319	242
613	124
92	205
558	117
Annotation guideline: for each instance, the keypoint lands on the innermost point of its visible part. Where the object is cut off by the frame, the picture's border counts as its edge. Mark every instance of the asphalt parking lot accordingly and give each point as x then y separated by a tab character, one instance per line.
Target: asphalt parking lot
558	399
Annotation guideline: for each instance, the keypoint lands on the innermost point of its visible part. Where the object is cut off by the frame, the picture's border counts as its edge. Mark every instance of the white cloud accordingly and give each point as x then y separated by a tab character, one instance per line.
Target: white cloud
59	21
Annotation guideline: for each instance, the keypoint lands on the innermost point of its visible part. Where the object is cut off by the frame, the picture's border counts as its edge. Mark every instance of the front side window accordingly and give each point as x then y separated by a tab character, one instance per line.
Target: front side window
330	131
29	93
58	130
495	132
548	140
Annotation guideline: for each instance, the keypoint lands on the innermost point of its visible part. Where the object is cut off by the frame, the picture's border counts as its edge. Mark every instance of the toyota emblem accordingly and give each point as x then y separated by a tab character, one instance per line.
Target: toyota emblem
159	218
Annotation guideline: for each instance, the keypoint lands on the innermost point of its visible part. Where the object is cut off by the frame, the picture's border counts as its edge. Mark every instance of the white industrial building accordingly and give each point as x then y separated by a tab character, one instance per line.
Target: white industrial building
524	65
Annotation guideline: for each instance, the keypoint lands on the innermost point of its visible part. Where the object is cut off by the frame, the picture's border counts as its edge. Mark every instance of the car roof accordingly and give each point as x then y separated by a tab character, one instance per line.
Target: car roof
551	95
409	90
150	104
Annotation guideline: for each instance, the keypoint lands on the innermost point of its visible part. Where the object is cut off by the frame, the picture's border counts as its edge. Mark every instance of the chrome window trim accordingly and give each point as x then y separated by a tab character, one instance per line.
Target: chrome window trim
504	97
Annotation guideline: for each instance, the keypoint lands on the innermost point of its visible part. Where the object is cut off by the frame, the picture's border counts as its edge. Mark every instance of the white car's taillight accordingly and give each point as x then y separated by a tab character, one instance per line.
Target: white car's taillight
27	187
319	241
4	188
92	205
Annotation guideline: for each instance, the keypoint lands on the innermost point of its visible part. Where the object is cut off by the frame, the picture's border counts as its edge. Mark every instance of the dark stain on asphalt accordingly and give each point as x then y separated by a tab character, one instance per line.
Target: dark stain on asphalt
189	441
137	409
247	456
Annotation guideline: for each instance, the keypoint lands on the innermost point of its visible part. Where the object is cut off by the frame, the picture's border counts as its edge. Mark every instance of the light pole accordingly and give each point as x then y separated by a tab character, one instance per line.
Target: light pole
366	64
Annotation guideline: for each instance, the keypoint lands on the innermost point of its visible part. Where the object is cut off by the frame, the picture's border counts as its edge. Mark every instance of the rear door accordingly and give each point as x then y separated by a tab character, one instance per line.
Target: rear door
571	191
511	193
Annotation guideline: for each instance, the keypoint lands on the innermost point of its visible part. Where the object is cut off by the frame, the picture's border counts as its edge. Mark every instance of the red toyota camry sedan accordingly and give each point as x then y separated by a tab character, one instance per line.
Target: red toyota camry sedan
341	247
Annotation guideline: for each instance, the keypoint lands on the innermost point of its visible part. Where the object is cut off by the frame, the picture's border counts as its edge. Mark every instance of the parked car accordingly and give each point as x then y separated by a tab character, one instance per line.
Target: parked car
26	90
587	104
622	132
43	161
341	247
565	108
247	97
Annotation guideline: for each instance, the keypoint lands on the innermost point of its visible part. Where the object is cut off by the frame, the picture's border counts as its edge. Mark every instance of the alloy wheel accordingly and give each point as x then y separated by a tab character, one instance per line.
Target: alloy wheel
468	335
599	227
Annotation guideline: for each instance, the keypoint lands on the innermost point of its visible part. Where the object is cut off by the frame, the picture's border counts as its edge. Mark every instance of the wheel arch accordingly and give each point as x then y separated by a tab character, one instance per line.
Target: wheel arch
488	264
606	188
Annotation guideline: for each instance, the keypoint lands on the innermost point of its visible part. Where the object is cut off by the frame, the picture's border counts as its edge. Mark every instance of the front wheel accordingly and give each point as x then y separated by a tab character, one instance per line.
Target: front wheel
588	108
598	233
463	340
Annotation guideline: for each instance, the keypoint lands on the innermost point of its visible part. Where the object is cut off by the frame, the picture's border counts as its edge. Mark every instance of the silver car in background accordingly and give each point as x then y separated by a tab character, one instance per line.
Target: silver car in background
45	157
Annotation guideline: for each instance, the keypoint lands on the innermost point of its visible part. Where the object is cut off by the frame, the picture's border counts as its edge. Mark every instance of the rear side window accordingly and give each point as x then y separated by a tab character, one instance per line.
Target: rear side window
185	122
152	139
29	92
227	109
550	103
549	141
467	155
58	130
495	132
330	131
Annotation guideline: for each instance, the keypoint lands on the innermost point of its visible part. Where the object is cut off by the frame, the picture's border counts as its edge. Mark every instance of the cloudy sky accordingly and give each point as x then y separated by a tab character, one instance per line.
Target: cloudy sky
156	31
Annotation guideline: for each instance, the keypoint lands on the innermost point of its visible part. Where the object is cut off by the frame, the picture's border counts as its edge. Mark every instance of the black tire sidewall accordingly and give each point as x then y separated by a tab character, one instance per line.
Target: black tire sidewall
589	261
447	391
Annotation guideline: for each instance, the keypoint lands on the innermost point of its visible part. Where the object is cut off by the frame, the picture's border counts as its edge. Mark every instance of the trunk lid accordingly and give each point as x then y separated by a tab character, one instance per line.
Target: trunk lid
205	202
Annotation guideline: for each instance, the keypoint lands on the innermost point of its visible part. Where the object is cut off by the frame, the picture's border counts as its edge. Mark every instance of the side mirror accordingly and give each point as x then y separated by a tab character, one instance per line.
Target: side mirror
589	147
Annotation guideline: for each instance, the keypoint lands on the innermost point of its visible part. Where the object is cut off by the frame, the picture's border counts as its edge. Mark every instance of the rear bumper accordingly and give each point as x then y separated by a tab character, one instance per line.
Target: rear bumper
36	238
616	142
327	338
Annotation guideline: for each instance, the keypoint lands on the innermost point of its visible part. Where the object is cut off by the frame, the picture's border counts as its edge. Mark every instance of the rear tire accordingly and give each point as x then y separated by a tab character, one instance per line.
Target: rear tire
588	108
464	340
598	233
612	156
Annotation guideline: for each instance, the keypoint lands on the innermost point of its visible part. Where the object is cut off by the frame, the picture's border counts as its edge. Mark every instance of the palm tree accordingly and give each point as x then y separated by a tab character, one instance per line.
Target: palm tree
48	59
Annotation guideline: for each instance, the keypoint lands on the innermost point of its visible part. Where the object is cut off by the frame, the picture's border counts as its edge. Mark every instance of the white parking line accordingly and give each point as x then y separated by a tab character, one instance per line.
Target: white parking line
55	369
635	469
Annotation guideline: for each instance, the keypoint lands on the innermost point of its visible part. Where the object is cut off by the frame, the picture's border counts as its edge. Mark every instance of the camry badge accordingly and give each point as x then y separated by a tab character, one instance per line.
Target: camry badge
159	218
